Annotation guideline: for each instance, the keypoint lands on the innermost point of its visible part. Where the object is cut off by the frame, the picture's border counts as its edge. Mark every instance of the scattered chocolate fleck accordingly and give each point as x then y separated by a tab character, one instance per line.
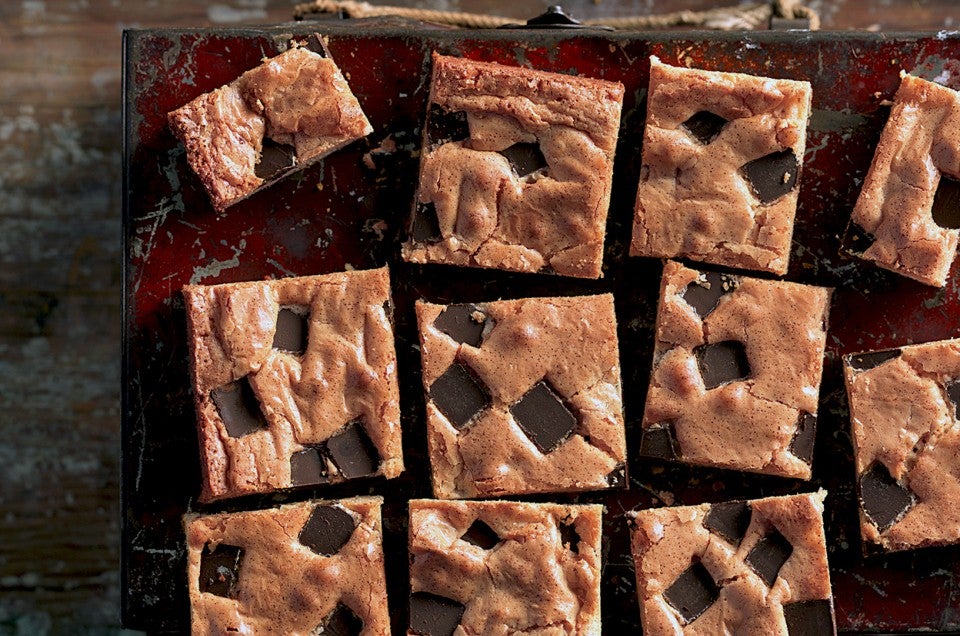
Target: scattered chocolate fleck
308	467
525	158
809	618
291	332
444	126
857	240
773	175
220	570
426	224
804	437
458	395
722	362
544	417
883	498
465	323
768	556
704	295
328	529
946	203
352	450
729	520
239	408
659	441
705	126
871	359
274	159
481	535
432	615
693	592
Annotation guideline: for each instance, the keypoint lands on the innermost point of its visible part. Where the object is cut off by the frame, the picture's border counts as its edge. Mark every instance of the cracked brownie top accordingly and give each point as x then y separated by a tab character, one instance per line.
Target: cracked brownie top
274	119
288	570
294	381
516	169
722	154
504	567
908	212
523	396
905	423
742	567
736	372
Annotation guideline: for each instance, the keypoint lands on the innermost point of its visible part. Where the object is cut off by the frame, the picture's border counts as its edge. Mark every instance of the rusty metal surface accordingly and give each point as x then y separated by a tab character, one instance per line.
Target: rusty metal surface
349	211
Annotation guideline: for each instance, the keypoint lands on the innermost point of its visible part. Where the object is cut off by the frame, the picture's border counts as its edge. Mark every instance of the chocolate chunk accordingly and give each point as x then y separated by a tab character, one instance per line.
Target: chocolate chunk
315	44
617	476
353	452
768	556
809	618
291	333
525	158
705	126
239	408
426	224
481	535
444	126
341	622
857	240
705	295
458	395
544	417
569	535
432	615
308	467
693	592
871	359
773	175
328	529
953	392
220	570
464	323
722	362
274	159
729	520
803	439
946	204
659	441
883	498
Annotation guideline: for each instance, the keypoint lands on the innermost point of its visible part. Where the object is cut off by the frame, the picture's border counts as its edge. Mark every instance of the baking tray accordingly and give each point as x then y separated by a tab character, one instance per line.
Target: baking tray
350	210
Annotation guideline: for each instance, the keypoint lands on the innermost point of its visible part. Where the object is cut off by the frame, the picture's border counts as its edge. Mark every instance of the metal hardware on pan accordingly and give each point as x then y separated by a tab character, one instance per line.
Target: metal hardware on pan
555	18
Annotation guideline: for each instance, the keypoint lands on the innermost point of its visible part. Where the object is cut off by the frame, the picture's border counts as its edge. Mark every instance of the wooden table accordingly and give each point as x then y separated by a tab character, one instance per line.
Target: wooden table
60	277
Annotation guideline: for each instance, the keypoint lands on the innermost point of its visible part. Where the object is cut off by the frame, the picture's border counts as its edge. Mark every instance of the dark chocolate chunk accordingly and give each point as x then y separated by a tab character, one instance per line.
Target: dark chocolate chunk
239	408
220	570
353	452
773	175
704	296
464	323
481	535
274	159
857	240
803	439
328	529
768	556
693	592
871	359
444	126
426	224
315	44
883	498
432	615
617	476
308	467
544	417
953	392
729	520
569	535
525	158
341	622
659	441
946	203
809	618
722	362
705	126
291	333
458	395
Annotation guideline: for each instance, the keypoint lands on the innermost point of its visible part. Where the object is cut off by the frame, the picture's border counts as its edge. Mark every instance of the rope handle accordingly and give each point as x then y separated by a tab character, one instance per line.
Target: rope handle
723	18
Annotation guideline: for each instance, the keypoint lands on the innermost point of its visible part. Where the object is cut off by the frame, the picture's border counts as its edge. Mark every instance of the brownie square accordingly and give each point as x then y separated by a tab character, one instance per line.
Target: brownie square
295	381
278	118
305	568
908	212
523	396
905	424
739	567
736	372
515	170
504	567
721	162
